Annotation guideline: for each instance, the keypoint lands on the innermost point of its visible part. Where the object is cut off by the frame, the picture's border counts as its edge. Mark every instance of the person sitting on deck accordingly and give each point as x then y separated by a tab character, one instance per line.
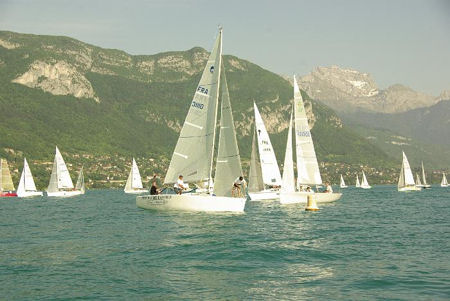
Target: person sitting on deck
154	189
238	187
328	188
180	186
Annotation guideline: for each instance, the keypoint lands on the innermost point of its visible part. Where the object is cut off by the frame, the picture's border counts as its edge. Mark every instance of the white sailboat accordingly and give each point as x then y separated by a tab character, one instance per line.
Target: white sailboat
342	184
444	182
424	184
80	186
255	179
270	171
134	181
26	187
418	182
357	184
364	183
60	182
406	178
6	184
194	152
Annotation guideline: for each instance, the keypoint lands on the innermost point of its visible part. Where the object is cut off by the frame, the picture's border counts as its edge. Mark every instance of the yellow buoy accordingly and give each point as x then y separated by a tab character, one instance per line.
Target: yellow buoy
311	203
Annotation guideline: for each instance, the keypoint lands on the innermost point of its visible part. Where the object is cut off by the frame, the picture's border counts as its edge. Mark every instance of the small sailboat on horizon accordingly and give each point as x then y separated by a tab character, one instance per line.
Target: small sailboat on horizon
27	187
357	184
6	184
444	182
364	183
342	184
134	181
61	184
424	183
406	178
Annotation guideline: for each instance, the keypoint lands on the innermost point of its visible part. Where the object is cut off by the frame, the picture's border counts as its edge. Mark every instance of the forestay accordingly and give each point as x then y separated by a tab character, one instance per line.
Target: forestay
193	153
255	180
307	166
269	165
228	164
288	180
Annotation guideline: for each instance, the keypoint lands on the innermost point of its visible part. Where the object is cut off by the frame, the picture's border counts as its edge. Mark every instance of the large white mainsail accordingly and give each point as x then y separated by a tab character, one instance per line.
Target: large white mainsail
307	165
6	183
288	179
228	163
60	177
269	165
255	180
193	154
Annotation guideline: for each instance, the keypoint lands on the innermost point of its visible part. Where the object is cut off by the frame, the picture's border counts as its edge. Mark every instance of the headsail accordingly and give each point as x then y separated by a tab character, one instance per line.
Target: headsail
409	178
288	180
255	180
228	164
269	165
307	166
193	153
64	180
6	183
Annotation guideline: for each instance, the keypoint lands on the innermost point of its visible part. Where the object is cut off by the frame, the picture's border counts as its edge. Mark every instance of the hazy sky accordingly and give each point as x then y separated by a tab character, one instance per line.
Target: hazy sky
397	41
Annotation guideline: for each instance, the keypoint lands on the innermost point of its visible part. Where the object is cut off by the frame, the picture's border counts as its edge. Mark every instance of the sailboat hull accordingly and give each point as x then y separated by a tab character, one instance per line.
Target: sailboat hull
302	197
343	186
264	195
427	186
136	191
29	194
365	187
8	194
293	198
409	188
191	202
64	194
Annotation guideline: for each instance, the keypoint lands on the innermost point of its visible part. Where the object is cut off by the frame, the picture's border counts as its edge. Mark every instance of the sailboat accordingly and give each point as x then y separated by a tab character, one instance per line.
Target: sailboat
307	166
357	184
418	182
406	178
255	179
424	184
364	183
270	173
60	182
6	184
134	181
444	182
194	153
26	187
80	186
342	184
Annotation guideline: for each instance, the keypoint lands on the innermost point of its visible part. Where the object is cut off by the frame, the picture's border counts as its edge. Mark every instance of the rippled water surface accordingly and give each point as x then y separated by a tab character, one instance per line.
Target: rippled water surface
371	244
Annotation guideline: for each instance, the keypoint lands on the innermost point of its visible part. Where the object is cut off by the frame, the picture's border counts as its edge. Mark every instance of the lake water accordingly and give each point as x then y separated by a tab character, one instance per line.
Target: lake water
371	244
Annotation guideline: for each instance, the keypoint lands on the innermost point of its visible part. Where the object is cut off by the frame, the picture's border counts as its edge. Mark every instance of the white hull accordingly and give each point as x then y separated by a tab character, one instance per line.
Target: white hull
444	185
29	194
136	191
343	186
365	187
409	188
302	197
424	186
191	202
264	195
64	193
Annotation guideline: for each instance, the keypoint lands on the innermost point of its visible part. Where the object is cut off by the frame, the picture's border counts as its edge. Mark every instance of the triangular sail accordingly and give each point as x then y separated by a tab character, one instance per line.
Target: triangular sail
424	178
136	182
307	165
53	185
409	178
418	183
64	180
80	181
228	164
288	180
444	180
401	178
342	184
357	184
6	183
129	181
269	165
193	153
26	182
364	182
255	180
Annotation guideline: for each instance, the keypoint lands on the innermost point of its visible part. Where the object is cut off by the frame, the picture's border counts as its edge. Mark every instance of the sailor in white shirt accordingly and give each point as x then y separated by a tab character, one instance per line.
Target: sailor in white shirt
179	186
238	187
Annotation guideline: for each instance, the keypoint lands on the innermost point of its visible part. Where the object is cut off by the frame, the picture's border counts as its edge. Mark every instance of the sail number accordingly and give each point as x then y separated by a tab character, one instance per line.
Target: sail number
202	90
303	133
197	105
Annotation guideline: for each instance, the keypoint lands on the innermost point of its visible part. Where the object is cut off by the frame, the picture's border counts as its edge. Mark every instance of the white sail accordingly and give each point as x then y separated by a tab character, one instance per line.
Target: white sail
409	178
269	165
424	178
357	184
288	180
255	180
228	163
194	151
342	184
418	183
6	183
444	182
64	180
134	180
364	182
307	165
80	181
26	182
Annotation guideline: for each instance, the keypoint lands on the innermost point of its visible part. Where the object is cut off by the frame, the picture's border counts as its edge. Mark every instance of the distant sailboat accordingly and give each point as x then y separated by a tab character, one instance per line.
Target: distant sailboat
267	162
406	178
193	156
418	183
342	184
357	184
424	179
364	183
6	184
60	182
80	186
134	181
444	182
26	187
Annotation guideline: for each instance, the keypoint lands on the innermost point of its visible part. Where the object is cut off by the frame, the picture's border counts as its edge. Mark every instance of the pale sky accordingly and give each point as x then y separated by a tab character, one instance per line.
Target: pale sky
396	41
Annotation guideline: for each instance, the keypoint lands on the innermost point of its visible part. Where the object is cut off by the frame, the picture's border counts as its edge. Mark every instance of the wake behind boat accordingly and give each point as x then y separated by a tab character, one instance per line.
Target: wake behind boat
193	154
